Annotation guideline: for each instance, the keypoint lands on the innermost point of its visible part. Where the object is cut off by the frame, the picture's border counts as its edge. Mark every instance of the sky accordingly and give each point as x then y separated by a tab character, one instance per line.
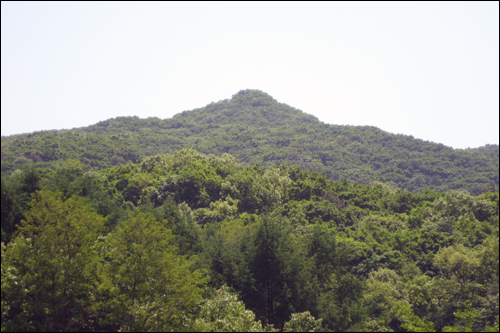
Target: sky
427	69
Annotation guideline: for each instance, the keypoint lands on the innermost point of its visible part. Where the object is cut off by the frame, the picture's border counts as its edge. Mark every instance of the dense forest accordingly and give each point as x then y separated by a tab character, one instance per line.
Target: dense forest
197	242
255	128
246	215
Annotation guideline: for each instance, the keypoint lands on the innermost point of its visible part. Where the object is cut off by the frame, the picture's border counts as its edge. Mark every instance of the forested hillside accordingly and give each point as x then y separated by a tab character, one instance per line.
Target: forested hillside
255	128
196	242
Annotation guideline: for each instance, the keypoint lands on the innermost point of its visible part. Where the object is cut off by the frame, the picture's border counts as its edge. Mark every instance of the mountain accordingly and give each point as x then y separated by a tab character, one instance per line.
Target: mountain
255	128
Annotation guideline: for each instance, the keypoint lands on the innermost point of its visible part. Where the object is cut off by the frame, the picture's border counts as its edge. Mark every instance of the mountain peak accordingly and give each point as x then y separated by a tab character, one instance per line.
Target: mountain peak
253	97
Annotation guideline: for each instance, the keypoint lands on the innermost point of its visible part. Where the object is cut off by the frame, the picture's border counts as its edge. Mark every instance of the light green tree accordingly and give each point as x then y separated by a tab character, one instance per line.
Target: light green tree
225	313
302	322
272	187
50	267
146	285
412	322
384	298
459	262
218	211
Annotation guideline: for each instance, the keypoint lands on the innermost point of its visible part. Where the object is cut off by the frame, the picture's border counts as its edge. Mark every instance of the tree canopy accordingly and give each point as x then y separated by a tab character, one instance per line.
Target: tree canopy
197	242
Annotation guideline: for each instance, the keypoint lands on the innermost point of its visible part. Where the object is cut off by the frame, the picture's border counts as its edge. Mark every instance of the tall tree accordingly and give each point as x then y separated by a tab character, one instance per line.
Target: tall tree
54	265
146	286
271	297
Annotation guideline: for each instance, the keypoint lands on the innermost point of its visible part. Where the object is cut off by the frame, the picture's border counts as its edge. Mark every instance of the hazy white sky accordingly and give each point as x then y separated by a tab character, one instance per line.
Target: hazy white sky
427	69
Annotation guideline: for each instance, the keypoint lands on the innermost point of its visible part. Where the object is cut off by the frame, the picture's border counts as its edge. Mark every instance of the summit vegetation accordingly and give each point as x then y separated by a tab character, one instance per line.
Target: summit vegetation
124	226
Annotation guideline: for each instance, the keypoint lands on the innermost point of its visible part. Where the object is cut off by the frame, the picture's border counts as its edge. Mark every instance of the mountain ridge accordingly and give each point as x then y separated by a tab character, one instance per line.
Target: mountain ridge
255	128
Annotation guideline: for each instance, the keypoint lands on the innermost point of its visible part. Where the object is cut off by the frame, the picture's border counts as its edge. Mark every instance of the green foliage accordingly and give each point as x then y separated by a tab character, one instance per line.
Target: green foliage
302	322
63	177
158	245
384	297
412	322
51	268
494	328
255	128
459	263
466	319
322	249
271	293
146	286
181	221
16	193
225	313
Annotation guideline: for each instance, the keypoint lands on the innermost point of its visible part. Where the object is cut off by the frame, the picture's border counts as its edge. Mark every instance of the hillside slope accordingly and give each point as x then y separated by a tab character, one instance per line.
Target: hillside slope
255	128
